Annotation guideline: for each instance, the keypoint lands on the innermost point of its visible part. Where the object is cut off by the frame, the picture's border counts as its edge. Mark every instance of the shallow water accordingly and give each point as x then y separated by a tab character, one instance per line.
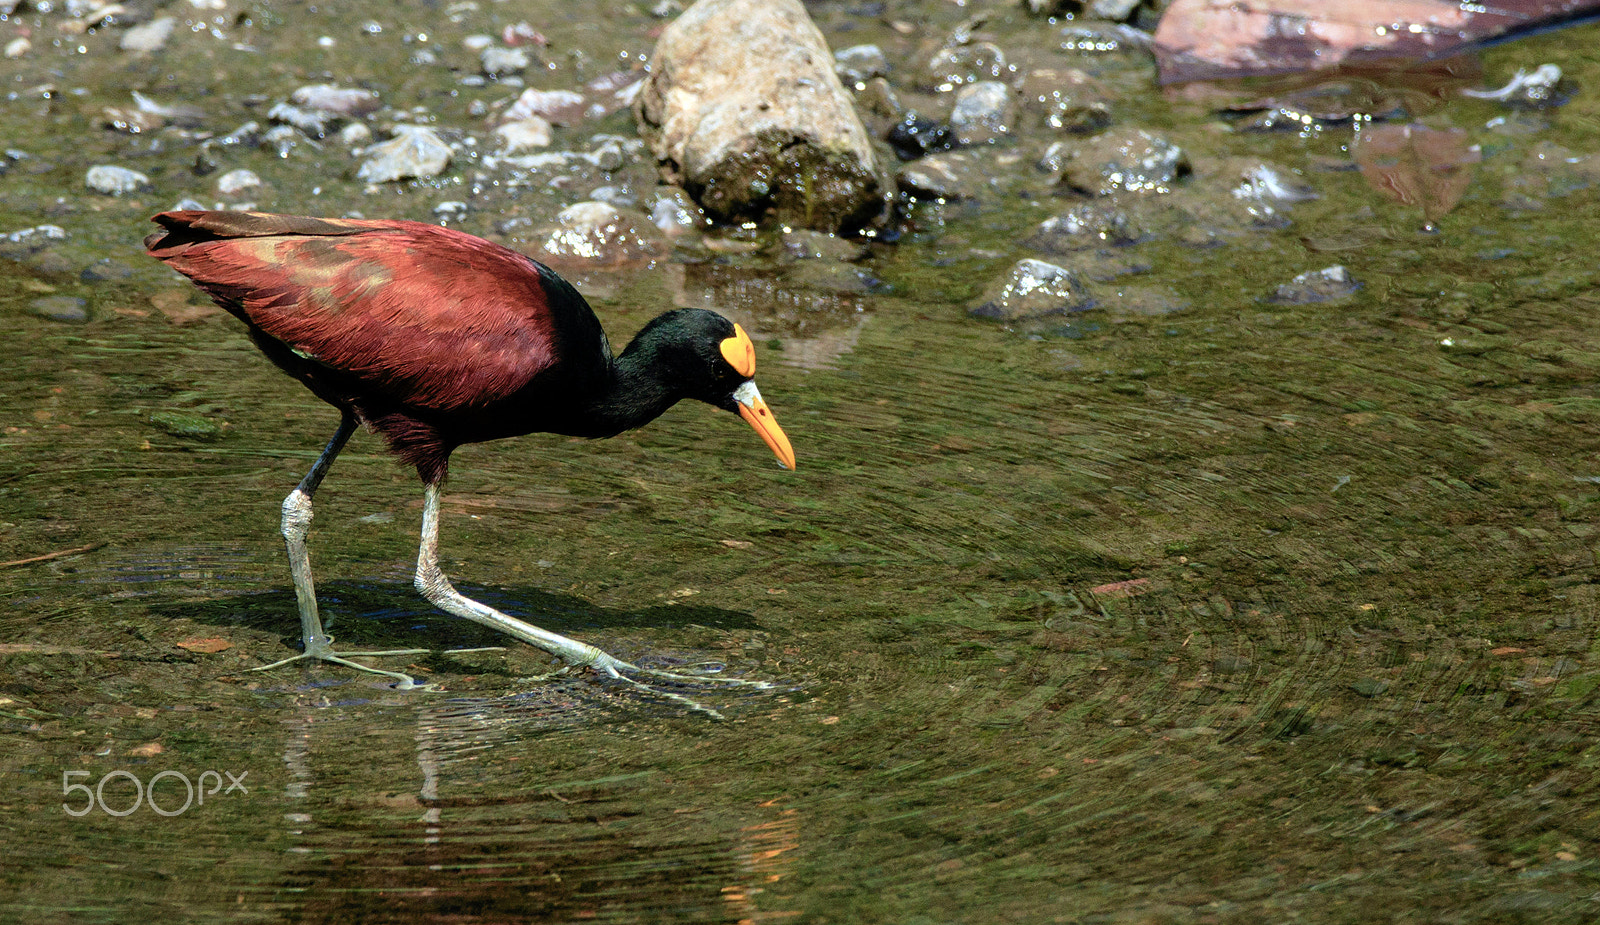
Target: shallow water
1242	612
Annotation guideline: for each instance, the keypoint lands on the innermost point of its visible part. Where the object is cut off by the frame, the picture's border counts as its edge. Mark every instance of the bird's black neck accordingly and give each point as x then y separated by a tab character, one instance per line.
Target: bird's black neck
636	392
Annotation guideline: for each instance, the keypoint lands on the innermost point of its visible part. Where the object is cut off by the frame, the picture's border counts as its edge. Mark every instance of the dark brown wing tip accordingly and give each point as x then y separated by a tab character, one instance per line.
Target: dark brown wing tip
184	227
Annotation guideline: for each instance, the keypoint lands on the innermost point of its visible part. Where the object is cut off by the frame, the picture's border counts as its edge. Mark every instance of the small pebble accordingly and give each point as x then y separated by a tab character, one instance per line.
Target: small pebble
344	101
414	151
354	135
860	63
150	36
114	181
1326	285
558	107
237	181
499	61
16	48
523	135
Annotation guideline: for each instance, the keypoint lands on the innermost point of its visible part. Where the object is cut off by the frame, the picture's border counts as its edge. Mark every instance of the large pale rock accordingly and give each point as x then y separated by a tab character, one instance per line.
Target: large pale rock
743	109
1218	39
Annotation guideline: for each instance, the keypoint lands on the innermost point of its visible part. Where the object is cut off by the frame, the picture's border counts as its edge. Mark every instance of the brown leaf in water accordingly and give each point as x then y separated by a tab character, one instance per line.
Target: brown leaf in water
175	304
1417	165
207	645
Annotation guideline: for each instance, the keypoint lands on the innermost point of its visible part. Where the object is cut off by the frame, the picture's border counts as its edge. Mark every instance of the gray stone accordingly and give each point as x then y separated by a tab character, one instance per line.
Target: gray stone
675	213
147	37
805	244
523	135
1126	160
982	112
1326	285
351	102
957	65
558	107
953	175
599	235
1082	227
743	109
63	308
414	151
1032	289
860	63
30	241
1114	10
237	181
499	61
313	122
114	181
106	270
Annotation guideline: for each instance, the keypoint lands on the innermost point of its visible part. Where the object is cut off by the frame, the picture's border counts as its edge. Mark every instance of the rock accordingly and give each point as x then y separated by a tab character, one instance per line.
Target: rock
860	63
18	47
1253	179
106	270
957	65
499	61
313	122
63	308
598	235
523	33
1104	39
148	37
283	138
675	213
114	181
237	181
805	244
743	109
523	135
350	102
982	112
1033	288
414	151
1125	161
915	136
1113	10
30	241
1325	285
1218	39
942	176
558	107
451	209
354	135
1085	226
1067	100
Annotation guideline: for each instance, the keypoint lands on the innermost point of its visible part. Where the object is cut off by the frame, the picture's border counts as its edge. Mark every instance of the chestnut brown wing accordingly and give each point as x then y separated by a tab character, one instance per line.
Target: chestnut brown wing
421	315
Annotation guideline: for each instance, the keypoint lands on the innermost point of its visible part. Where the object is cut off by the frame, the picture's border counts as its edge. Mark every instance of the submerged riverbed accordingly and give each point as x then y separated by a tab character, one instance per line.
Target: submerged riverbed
1191	606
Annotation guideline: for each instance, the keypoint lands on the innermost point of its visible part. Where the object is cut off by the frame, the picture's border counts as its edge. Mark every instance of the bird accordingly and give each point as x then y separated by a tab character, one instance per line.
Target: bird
433	338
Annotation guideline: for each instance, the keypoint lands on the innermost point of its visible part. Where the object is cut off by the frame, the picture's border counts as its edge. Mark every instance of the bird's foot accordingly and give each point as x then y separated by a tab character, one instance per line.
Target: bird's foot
629	673
322	650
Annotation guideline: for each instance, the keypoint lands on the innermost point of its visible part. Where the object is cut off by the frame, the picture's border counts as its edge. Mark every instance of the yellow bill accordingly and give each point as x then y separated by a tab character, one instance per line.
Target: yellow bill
758	415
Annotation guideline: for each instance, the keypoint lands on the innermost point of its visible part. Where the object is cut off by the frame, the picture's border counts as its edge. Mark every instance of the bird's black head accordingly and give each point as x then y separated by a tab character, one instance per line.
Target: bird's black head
699	354
684	349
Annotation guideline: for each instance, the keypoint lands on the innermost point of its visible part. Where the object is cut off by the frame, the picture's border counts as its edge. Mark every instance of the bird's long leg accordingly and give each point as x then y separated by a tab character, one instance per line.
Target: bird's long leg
433	584
296	523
